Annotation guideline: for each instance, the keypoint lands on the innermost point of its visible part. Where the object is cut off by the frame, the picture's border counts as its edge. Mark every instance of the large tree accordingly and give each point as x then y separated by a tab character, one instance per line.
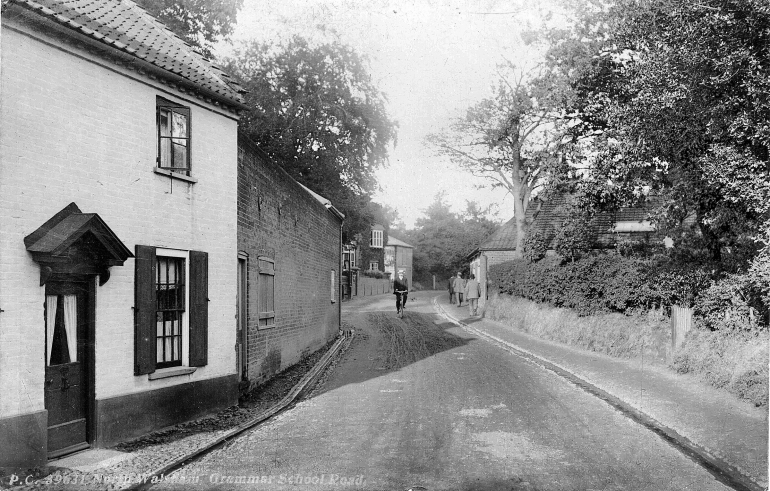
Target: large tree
518	139
316	111
681	94
199	22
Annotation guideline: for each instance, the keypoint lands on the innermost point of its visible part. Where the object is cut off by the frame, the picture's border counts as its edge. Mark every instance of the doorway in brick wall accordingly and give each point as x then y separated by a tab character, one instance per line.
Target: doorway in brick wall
241	329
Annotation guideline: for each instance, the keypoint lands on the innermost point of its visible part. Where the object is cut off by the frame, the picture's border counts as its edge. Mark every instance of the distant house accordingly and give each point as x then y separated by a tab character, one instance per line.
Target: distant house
608	229
398	257
117	247
377	258
289	263
373	256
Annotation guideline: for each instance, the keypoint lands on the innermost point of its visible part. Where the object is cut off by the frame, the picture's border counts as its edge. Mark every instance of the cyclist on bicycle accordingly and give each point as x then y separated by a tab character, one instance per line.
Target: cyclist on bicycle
400	290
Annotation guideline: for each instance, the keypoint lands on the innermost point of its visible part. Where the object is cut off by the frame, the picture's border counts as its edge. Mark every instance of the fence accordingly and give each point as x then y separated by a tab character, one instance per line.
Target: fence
373	286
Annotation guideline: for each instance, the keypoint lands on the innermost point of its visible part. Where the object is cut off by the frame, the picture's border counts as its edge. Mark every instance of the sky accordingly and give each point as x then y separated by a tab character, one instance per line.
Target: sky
433	60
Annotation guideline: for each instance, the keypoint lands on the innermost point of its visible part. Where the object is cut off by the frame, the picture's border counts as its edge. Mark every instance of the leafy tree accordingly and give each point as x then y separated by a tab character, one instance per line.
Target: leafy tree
442	239
316	111
199	22
517	139
679	91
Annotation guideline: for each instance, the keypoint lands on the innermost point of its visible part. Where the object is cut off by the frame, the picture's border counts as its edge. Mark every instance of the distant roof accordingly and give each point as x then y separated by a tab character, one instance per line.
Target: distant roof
128	28
392	241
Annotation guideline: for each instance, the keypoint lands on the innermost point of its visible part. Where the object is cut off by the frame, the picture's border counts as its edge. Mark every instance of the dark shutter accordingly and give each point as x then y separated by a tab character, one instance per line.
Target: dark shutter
266	292
199	308
144	310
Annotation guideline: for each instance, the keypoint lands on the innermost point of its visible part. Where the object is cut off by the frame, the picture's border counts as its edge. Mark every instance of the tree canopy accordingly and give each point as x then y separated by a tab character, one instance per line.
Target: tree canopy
442	239
199	22
518	138
316	111
680	93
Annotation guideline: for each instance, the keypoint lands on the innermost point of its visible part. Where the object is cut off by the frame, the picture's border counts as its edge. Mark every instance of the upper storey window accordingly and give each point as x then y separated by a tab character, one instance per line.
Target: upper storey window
376	240
173	137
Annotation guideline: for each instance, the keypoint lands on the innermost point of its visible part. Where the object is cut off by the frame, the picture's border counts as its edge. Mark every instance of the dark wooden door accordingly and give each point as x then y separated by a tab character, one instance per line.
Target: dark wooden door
66	372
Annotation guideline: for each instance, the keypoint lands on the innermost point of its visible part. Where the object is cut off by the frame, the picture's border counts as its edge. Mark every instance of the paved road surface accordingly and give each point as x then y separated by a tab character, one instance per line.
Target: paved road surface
417	402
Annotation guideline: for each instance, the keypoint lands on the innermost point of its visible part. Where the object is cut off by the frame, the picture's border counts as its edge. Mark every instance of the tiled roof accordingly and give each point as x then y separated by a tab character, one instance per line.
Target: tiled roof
502	239
124	26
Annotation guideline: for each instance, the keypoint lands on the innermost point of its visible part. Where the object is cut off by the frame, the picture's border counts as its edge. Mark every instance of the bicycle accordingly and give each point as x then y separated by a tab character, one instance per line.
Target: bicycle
401	296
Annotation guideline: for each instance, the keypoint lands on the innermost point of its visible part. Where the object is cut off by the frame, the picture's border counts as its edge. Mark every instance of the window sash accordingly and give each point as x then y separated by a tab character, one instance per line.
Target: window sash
170	294
174	139
376	240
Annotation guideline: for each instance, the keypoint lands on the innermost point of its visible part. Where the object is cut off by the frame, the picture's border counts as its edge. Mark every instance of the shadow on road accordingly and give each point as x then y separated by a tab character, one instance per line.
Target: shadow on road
385	343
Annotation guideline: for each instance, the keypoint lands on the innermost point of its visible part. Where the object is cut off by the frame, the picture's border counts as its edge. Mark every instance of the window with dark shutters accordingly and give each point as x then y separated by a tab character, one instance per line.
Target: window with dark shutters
151	311
266	287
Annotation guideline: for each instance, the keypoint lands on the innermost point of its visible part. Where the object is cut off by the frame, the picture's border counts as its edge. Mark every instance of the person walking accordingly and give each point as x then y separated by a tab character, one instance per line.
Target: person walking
459	286
400	290
451	288
472	294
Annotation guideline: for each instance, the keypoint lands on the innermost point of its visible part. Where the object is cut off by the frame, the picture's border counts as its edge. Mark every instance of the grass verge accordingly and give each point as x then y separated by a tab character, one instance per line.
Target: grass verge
734	361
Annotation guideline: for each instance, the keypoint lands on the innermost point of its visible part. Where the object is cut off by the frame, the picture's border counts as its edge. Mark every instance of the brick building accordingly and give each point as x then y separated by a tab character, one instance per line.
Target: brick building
398	257
290	258
118	252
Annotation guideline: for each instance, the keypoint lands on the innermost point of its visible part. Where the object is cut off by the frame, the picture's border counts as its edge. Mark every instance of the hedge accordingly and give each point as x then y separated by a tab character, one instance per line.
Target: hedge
603	283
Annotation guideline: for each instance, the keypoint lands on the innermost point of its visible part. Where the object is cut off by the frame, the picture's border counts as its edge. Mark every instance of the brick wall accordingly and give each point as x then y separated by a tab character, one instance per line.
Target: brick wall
79	129
279	219
497	257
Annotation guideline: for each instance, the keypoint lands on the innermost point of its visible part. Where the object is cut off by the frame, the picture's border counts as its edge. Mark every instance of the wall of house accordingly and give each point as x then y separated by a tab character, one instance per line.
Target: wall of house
77	128
404	261
279	219
497	257
368	253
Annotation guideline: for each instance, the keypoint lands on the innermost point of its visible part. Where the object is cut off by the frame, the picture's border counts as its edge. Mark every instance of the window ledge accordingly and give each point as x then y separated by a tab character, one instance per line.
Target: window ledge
175	175
171	372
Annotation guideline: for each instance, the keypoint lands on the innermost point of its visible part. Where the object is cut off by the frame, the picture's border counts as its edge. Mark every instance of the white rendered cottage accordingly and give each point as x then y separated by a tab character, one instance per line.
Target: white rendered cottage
118	217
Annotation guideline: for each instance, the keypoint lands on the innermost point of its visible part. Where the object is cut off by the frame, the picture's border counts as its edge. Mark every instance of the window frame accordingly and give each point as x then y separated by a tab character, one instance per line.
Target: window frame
349	259
184	360
184	173
376	265
375	242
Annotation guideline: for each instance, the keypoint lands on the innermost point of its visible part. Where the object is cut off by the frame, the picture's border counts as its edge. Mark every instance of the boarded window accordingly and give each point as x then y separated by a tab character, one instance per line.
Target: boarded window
266	288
